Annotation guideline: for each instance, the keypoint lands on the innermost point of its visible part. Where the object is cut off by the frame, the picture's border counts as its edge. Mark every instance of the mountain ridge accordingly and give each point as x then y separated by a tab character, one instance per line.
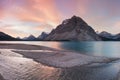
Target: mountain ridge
73	29
6	37
106	36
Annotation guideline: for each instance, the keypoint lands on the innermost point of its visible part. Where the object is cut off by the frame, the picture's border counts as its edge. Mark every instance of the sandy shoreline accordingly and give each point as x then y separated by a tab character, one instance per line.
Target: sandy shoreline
18	56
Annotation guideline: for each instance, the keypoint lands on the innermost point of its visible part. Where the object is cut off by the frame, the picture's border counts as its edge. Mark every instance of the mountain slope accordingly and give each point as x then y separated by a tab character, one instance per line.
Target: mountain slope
109	37
42	36
30	38
74	29
6	37
106	34
117	36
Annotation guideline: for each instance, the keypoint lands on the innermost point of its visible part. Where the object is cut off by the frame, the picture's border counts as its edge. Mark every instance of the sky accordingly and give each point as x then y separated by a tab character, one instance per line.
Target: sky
24	17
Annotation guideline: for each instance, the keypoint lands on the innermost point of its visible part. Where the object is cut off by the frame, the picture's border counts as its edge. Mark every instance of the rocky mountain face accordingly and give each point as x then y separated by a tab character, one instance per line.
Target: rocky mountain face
109	37
42	36
30	38
106	34
6	37
33	38
74	29
117	36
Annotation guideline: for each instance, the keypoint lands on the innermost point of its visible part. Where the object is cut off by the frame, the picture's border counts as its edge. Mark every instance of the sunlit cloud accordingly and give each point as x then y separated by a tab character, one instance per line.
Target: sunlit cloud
27	17
40	10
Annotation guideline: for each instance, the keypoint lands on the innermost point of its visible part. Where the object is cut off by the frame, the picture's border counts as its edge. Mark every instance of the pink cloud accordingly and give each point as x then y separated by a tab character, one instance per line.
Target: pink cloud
100	14
40	10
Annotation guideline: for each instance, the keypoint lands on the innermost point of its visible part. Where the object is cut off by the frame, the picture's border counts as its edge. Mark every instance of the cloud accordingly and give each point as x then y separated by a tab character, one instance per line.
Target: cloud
43	15
12	24
116	27
29	16
102	15
39	10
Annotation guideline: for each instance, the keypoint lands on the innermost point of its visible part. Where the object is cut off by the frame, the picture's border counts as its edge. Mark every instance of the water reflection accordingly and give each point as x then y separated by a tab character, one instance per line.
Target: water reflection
16	68
109	49
19	68
82	47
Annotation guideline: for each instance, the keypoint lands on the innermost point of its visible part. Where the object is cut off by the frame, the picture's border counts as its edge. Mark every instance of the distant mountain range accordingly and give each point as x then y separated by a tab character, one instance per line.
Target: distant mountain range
6	37
42	36
33	38
73	29
105	36
30	38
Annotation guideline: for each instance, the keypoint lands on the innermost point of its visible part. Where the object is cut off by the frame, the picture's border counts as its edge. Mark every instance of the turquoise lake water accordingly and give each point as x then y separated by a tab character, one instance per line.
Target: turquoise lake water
108	49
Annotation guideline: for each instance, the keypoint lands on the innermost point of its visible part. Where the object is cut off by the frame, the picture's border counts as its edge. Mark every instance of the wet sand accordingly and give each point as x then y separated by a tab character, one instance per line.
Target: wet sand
31	62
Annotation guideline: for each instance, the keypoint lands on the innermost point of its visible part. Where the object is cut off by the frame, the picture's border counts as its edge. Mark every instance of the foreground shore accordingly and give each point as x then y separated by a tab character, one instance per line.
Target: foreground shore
31	62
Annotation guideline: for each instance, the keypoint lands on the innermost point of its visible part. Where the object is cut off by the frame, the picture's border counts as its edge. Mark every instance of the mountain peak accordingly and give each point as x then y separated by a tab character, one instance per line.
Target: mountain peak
105	34
77	19
32	36
1	33
43	36
43	33
74	28
74	17
70	24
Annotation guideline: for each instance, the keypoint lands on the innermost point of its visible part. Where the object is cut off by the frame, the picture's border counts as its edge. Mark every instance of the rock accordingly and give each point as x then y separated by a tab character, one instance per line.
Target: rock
74	29
30	38
106	34
109	37
42	36
6	37
117	37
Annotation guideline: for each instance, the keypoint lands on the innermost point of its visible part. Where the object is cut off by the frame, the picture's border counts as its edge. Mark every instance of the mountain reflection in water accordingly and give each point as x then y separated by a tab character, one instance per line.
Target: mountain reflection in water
108	49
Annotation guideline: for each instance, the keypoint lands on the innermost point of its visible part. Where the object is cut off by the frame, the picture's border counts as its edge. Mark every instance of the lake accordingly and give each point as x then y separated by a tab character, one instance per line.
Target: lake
108	49
21	68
